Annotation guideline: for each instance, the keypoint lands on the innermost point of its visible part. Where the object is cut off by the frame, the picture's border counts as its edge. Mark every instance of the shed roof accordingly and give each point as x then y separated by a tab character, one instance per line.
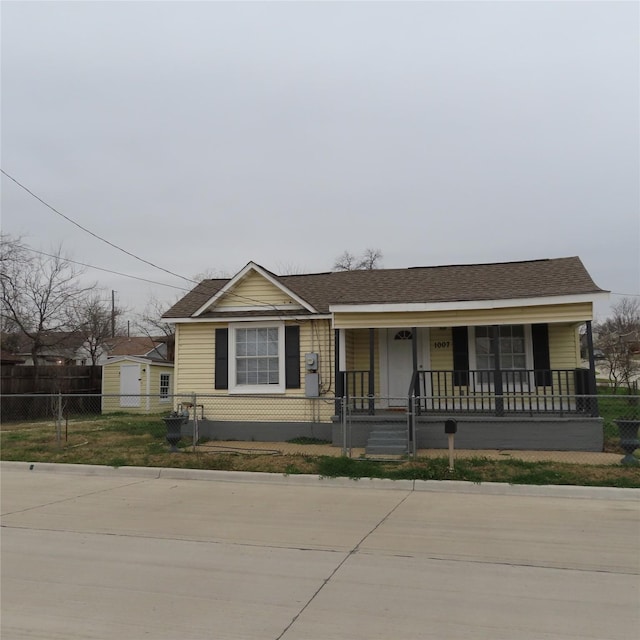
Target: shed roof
452	283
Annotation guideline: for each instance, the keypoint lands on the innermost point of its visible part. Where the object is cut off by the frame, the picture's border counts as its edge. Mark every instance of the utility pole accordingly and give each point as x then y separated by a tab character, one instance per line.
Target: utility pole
113	313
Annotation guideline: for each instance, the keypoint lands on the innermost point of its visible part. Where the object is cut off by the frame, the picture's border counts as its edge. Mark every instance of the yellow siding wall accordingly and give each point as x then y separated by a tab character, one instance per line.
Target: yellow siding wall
253	290
316	336
564	346
195	367
441	349
515	315
267	408
111	381
156	404
195	358
359	343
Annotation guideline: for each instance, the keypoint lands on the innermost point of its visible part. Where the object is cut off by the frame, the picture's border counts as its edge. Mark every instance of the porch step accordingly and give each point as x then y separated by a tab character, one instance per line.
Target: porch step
386	439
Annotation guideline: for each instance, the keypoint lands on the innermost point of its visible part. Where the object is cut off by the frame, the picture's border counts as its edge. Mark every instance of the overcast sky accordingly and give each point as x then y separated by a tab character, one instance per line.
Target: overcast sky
200	136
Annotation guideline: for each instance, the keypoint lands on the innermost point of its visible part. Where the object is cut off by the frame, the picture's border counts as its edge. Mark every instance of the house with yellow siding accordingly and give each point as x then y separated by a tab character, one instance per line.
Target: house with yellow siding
494	346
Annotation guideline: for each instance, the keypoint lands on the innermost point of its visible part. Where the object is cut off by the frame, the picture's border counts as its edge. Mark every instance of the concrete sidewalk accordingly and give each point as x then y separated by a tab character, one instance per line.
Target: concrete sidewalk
96	552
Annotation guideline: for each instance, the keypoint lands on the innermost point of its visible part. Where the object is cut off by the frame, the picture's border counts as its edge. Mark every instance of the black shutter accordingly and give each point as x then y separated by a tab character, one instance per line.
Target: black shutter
460	339
541	359
222	359
292	356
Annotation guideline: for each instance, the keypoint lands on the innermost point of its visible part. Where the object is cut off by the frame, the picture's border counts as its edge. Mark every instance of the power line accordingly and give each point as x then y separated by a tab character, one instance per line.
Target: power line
117	273
91	233
111	244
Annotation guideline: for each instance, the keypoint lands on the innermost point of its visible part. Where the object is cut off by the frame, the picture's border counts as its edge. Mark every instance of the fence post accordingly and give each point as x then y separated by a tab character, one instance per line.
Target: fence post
196	435
59	421
343	414
411	416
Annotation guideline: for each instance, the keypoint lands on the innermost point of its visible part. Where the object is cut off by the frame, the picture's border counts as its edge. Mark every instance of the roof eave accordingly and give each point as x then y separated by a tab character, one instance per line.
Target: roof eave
467	305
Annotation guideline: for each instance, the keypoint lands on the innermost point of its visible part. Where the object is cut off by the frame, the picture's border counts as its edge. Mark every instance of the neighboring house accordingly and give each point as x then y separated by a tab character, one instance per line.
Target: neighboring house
137	384
58	348
70	348
494	345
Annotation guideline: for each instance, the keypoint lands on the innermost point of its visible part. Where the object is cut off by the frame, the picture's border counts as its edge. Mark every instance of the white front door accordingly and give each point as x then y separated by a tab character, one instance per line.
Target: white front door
399	365
129	385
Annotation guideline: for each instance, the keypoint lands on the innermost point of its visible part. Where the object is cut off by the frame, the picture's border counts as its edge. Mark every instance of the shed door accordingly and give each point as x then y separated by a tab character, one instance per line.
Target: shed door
129	385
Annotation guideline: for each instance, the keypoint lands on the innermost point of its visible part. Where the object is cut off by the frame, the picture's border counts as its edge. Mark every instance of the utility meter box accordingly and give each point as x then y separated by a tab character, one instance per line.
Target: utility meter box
311	362
312	385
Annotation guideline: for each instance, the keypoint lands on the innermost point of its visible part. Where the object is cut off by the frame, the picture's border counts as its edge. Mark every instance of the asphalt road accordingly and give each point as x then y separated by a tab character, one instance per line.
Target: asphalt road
101	553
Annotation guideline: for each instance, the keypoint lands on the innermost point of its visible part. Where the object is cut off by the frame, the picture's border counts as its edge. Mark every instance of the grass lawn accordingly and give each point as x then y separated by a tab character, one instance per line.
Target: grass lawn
134	440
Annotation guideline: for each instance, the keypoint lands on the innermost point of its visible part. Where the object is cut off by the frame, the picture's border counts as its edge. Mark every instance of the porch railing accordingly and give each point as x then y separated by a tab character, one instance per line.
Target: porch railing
556	391
359	391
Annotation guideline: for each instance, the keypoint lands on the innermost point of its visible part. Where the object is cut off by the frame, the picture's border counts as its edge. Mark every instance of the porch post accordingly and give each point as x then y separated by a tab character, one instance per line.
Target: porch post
593	401
339	375
497	373
372	367
414	354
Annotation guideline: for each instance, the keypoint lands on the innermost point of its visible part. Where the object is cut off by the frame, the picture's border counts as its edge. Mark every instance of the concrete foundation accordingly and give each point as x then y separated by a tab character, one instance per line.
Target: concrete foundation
258	431
474	432
490	432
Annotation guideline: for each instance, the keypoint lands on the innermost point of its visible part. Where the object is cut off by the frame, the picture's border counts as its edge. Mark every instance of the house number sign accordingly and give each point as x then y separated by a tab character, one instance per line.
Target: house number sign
441	344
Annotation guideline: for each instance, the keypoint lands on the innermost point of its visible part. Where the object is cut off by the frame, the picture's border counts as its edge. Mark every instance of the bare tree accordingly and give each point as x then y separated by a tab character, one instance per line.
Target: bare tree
38	293
98	323
290	269
210	274
151	324
618	338
368	260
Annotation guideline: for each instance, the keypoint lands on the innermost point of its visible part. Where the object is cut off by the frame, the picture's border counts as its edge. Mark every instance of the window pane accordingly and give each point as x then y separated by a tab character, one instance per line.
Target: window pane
257	353
483	346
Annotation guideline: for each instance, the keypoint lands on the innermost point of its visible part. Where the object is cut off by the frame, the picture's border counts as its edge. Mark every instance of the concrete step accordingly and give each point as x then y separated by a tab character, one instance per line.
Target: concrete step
390	440
392	450
386	439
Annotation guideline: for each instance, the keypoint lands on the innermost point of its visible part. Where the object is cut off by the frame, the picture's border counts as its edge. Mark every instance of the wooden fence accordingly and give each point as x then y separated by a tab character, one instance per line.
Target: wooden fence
24	390
18	379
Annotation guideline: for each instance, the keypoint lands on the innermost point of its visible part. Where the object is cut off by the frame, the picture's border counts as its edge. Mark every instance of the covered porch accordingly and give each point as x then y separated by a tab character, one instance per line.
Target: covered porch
484	370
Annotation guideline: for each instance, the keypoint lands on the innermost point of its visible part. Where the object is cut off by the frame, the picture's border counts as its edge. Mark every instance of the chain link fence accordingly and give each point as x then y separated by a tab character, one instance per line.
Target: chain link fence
274	425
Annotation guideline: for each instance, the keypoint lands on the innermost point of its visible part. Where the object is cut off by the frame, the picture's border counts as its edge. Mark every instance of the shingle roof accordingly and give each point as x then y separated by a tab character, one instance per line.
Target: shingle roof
131	345
494	281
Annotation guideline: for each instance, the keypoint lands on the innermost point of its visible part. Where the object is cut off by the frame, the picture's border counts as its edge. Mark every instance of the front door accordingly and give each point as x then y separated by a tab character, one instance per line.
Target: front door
130	385
399	365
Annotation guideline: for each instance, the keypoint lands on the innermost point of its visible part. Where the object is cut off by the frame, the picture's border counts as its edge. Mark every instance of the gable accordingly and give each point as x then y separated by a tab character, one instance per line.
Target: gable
253	292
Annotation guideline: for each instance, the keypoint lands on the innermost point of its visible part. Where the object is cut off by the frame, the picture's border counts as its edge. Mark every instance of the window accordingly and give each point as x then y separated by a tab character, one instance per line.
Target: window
165	386
511	347
514	351
256	363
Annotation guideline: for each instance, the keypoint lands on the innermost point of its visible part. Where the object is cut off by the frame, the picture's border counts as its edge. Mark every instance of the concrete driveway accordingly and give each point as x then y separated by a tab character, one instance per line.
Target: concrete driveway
101	553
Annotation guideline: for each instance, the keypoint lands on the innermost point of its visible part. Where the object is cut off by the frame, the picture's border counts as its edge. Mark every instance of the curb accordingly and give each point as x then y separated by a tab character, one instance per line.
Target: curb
245	477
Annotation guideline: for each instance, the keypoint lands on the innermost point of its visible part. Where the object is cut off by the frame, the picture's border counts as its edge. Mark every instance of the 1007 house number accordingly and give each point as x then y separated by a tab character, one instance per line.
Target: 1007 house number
441	344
